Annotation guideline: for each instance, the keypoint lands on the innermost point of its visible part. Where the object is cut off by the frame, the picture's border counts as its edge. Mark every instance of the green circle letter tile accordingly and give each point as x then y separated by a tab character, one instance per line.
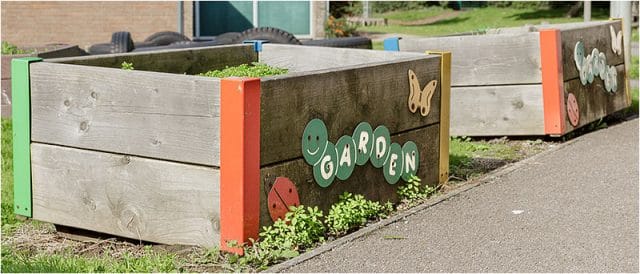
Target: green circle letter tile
363	137
314	141
393	167
411	160
346	157
325	171
381	143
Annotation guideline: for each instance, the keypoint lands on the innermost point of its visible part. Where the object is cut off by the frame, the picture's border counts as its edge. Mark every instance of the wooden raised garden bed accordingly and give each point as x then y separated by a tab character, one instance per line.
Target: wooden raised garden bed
543	80
161	155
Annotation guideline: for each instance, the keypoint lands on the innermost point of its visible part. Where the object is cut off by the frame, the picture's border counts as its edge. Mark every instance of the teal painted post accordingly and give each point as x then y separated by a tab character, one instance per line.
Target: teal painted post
391	44
21	115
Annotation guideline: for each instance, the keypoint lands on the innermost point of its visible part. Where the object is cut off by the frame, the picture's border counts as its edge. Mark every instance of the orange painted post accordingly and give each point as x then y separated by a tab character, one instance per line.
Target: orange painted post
552	82
239	161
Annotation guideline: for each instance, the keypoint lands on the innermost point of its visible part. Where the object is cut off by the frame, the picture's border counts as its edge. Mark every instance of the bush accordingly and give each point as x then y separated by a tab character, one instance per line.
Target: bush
338	27
254	70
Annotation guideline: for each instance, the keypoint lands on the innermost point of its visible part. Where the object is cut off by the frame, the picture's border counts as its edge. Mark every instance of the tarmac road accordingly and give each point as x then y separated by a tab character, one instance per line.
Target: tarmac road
572	210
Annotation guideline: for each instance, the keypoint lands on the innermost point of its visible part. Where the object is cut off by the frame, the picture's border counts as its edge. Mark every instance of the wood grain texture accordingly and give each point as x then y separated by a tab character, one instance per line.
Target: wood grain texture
593	36
127	196
593	101
377	94
497	111
190	61
157	115
309	58
366	180
478	60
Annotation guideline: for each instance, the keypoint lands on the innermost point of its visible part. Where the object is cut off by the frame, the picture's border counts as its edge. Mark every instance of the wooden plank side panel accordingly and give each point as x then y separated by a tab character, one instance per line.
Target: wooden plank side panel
366	180
593	36
593	101
342	99
486	59
308	58
497	111
157	115
127	196
190	61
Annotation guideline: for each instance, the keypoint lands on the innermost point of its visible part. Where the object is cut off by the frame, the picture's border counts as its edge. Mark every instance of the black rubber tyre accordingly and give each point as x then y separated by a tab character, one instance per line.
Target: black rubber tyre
103	48
273	35
227	38
143	44
121	42
357	42
164	38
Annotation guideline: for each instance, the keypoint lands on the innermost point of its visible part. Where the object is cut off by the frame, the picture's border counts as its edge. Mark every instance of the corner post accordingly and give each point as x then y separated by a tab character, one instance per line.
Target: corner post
552	82
239	161
21	115
445	105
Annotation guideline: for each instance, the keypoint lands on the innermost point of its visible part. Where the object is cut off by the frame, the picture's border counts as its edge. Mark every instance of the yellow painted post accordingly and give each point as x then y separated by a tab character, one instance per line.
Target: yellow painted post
445	103
627	88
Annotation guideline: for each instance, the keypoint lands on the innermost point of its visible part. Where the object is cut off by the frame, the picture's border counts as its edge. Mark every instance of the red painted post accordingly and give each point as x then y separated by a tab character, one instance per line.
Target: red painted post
239	161
552	82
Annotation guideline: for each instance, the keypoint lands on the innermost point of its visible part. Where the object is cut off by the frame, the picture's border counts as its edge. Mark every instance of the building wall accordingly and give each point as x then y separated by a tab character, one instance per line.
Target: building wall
320	15
28	24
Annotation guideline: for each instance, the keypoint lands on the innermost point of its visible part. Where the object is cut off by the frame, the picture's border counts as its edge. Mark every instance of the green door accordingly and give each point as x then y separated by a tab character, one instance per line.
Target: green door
292	16
216	17
224	16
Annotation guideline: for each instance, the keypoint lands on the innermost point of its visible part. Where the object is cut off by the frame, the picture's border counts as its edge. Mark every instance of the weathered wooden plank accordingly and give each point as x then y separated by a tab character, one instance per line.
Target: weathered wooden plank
342	98
189	61
592	36
497	110
308	58
150	200
480	60
593	101
366	180
157	115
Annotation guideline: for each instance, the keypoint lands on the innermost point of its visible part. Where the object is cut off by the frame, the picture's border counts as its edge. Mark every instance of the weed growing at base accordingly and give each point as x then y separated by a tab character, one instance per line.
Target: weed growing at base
412	192
354	211
8	48
126	66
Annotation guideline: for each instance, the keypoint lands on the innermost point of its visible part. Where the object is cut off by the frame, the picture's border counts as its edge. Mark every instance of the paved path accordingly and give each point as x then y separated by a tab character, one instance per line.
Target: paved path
571	210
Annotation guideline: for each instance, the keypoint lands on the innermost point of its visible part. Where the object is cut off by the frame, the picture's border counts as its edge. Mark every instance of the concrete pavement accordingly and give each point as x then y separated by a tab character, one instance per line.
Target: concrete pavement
572	210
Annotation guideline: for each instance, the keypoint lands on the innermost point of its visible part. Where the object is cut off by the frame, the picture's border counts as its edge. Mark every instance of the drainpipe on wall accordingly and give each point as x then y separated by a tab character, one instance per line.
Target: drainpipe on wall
181	17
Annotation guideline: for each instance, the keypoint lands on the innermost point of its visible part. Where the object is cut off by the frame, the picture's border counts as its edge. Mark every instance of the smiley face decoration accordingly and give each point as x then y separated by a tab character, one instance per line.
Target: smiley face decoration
366	144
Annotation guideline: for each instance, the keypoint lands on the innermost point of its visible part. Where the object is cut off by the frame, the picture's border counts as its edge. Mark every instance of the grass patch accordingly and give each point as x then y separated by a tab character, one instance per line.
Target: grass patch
633	70
469	158
21	261
634	35
8	218
411	15
476	20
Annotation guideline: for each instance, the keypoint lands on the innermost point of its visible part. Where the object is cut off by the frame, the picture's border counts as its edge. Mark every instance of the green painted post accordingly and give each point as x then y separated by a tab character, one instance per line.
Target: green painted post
21	115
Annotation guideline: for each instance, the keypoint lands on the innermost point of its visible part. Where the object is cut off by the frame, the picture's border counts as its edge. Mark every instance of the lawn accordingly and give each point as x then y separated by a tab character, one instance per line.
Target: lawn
473	20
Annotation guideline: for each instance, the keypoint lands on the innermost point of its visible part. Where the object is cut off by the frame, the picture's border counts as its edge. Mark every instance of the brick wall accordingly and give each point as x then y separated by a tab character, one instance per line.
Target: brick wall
29	24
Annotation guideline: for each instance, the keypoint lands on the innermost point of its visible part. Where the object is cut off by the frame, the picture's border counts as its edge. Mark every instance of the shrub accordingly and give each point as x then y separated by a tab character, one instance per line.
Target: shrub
338	28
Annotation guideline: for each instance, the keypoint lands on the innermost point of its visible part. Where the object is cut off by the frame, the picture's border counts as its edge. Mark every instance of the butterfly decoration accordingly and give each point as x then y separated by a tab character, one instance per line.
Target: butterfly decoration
616	41
420	98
